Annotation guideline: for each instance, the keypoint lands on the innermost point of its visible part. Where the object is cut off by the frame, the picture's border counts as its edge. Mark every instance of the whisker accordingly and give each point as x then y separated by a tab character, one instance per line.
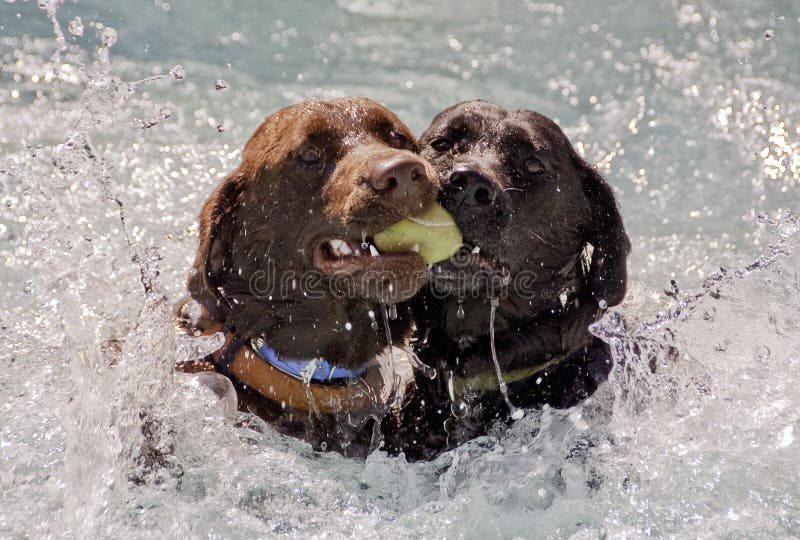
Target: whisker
530	232
241	292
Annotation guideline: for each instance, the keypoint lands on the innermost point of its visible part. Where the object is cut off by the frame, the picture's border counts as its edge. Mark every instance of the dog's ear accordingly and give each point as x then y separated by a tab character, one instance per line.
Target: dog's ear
217	226
608	272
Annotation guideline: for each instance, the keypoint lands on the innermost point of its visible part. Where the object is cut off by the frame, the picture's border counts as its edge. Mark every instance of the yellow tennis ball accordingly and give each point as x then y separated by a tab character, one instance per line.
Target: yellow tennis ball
433	230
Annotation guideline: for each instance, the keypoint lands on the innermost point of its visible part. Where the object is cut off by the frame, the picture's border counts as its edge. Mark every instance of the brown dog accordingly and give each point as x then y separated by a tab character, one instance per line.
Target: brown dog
286	270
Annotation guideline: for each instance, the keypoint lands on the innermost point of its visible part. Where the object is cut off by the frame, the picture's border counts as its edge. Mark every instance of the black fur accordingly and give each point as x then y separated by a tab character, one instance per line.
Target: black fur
535	208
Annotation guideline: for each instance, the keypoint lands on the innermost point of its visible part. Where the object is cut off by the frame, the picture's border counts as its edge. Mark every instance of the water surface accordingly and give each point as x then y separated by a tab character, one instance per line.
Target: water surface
691	111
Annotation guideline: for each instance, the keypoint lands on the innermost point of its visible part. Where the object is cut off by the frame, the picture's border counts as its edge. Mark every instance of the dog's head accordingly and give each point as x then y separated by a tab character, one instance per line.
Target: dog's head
523	196
284	238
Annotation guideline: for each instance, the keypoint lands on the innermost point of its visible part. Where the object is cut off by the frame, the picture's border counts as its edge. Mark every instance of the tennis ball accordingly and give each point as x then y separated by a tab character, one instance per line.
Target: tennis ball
433	230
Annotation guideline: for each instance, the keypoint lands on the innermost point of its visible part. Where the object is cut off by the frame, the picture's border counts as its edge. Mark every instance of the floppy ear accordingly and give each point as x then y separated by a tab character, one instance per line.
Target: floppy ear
217	226
608	273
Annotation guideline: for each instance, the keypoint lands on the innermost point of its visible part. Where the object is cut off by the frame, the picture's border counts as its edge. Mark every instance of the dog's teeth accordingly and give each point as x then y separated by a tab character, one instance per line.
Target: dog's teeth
476	250
333	247
339	248
373	251
415	247
358	252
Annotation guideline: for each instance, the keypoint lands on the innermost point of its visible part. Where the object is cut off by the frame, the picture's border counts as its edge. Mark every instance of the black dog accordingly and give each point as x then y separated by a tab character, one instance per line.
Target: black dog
546	255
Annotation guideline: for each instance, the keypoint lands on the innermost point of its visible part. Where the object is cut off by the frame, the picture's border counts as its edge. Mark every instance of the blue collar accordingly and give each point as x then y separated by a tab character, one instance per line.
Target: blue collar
309	370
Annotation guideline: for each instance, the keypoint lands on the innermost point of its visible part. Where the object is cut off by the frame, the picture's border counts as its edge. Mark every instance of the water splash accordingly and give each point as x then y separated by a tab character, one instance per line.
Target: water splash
721	344
50	7
178	72
307	373
119	346
76	27
390	350
516	413
374	324
720	423
419	365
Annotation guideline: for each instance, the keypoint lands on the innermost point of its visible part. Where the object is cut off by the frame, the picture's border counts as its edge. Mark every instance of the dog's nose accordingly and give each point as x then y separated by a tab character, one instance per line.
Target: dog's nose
474	188
398	178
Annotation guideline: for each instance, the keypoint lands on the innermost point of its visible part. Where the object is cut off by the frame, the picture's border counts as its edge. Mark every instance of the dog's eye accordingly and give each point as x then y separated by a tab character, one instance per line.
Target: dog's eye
534	166
310	154
398	140
442	144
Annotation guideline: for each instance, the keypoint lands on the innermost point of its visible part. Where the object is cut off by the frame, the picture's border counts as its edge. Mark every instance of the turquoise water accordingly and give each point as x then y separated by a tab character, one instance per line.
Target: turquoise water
690	108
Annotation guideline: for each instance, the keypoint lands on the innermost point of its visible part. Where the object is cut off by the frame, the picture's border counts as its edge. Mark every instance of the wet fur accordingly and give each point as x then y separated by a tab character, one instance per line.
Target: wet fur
266	216
271	207
539	223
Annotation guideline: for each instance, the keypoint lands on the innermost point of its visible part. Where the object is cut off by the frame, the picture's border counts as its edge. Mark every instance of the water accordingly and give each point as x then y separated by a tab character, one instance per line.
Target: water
516	413
385	312
691	108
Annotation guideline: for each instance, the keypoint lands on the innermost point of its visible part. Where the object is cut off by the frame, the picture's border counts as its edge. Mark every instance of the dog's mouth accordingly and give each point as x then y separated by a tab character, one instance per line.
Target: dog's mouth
356	267
471	256
470	272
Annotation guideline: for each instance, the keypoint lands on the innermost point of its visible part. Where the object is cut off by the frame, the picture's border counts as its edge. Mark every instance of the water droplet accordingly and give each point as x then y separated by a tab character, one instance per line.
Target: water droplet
178	72
165	112
220	84
108	36
323	446
460	311
308	372
420	366
769	35
516	413
76	27
602	303
390	346
145	123
393	312
374	325
348	326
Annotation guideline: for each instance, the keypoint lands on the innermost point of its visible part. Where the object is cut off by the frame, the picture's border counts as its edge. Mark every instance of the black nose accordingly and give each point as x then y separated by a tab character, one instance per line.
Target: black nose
398	178
474	187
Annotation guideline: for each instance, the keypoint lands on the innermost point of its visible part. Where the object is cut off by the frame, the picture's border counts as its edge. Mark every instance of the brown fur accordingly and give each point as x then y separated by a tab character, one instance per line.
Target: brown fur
312	172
